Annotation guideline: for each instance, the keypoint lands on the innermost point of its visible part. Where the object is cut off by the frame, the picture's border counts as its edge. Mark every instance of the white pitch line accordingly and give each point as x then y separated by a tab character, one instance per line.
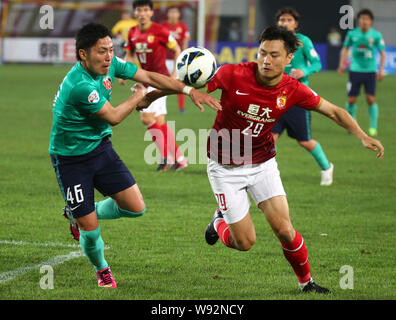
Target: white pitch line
40	244
10	275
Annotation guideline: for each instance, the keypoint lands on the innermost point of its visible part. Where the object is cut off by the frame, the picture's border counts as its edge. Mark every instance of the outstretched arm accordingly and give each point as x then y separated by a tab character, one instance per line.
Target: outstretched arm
168	86
344	119
115	115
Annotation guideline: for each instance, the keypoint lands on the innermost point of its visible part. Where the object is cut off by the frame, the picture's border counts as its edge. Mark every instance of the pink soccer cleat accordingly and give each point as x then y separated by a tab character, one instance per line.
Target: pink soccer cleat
105	279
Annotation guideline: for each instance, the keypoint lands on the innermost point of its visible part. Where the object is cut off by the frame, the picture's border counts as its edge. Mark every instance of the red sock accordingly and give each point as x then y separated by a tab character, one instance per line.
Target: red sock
224	232
297	255
171	142
159	138
181	98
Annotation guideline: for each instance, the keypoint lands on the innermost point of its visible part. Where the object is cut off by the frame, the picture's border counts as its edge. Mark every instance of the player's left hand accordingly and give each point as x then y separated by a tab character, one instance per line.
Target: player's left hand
297	73
373	144
380	75
199	98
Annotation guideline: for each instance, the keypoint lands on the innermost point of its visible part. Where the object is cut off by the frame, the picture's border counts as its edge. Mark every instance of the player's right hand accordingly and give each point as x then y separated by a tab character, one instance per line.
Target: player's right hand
199	98
340	70
373	144
122	82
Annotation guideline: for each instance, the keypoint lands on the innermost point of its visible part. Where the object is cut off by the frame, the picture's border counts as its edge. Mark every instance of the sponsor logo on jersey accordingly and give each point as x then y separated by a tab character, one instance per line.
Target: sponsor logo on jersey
93	97
107	83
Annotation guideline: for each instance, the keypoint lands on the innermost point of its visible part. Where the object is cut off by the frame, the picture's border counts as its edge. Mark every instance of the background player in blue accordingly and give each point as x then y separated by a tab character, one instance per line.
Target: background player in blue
80	149
297	121
364	41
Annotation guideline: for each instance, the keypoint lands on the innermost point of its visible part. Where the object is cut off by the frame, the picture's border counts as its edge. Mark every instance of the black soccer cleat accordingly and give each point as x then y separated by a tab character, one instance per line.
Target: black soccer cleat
177	166
211	235
163	166
74	230
311	286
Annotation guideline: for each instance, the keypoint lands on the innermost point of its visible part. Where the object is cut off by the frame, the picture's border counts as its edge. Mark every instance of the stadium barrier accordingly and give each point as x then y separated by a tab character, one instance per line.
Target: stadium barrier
62	50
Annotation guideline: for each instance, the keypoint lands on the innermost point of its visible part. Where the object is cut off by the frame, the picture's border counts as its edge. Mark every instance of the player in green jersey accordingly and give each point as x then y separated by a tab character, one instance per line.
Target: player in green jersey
81	152
365	41
297	121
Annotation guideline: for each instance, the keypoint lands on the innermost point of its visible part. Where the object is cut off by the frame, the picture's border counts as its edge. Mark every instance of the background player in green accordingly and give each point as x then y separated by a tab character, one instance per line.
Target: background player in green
296	120
81	152
364	41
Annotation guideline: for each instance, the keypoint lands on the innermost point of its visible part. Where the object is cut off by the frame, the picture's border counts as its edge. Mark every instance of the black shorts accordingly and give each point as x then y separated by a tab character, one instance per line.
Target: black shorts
297	122
357	79
77	176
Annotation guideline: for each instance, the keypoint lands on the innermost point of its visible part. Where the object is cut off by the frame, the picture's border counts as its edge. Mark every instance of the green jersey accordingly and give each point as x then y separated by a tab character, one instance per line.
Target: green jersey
305	58
75	129
364	45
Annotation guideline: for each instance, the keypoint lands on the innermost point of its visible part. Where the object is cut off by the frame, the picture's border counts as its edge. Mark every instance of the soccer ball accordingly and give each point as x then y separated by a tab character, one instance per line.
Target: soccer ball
195	66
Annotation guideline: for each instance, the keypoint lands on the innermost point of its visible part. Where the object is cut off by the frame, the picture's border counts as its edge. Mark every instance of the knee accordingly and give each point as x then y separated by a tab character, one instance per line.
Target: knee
285	233
132	214
309	144
245	244
352	100
370	100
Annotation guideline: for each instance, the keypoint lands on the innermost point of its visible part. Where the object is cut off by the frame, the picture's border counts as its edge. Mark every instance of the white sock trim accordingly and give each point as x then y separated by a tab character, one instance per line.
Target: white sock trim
295	250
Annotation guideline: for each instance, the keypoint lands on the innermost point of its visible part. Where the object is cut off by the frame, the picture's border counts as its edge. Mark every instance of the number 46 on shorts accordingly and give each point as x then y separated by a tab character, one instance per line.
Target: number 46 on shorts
78	194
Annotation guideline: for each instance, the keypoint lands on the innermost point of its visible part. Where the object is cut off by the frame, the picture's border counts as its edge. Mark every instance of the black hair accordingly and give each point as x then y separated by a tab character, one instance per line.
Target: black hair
366	11
287	10
141	3
88	35
290	40
173	7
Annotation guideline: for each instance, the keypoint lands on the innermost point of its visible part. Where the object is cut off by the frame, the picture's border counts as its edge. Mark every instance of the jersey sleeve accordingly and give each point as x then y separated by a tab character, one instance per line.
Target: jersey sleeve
380	43
86	98
306	98
348	40
186	34
221	79
124	69
128	43
313	58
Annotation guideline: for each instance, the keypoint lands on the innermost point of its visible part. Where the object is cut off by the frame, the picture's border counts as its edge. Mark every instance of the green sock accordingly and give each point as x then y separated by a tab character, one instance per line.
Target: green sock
93	246
373	114
108	209
351	108
320	157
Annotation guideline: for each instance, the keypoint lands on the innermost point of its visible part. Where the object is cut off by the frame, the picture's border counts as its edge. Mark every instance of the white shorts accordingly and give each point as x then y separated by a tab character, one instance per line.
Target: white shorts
158	107
231	186
170	65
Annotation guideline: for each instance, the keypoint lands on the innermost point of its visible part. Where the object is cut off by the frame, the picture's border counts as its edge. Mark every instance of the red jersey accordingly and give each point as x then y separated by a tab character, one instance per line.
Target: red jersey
241	133
150	46
180	32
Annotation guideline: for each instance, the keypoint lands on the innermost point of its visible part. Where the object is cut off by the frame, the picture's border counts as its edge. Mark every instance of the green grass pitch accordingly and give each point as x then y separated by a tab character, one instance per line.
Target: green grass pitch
163	255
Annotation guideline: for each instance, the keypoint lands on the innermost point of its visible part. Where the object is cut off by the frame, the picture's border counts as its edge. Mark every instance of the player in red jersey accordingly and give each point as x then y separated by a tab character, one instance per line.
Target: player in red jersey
254	96
241	148
148	42
179	31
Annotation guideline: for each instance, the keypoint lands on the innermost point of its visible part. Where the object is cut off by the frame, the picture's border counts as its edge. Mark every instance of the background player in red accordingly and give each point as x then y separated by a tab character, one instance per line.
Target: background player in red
179	31
241	148
148	42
